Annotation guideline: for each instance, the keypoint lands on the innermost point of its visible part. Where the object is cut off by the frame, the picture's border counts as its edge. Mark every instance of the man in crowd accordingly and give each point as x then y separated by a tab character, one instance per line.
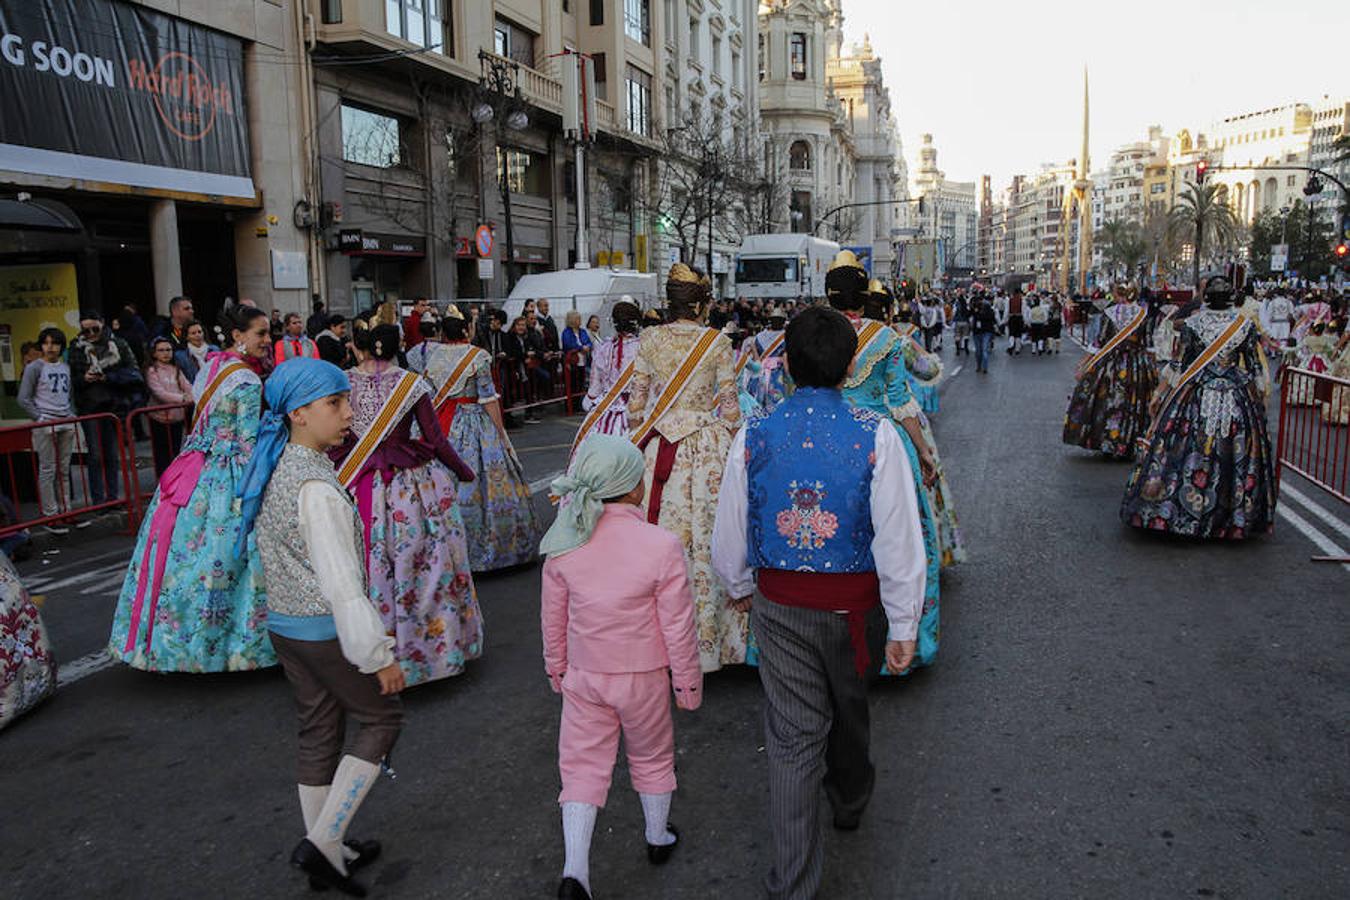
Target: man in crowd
332	341
547	326
318	320
105	379
412	324
983	325
181	312
293	341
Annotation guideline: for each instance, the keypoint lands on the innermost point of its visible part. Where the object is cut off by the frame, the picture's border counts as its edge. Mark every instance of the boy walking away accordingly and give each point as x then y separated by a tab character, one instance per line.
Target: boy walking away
617	638
328	636
818	509
44	393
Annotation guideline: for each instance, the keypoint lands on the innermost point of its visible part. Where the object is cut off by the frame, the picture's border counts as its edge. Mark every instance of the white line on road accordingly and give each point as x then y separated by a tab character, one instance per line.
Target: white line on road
955	372
543	483
1288	490
1324	543
114	580
83	667
45	585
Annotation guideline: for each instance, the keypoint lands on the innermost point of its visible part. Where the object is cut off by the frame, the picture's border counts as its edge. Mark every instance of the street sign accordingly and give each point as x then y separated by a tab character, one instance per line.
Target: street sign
483	241
1279	257
485	270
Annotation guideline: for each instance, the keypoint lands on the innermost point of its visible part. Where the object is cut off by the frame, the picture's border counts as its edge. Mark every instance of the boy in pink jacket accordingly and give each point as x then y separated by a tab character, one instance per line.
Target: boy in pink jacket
618	624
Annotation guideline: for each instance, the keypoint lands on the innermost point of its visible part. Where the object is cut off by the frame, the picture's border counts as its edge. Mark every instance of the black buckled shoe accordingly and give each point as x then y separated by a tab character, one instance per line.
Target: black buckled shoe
366	853
571	889
310	859
659	854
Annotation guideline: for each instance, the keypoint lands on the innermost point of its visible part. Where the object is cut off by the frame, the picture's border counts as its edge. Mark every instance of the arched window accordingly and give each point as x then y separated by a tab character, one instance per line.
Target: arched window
799	155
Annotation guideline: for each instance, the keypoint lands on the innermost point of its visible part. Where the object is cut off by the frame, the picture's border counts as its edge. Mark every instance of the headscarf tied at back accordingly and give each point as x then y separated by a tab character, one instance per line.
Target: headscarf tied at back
605	466
298	382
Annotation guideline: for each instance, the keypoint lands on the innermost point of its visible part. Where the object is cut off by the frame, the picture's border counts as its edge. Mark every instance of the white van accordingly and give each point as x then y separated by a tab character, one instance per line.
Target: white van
591	292
783	266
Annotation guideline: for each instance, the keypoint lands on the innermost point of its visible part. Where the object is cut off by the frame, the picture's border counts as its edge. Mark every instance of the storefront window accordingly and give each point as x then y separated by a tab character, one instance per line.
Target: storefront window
524	172
370	138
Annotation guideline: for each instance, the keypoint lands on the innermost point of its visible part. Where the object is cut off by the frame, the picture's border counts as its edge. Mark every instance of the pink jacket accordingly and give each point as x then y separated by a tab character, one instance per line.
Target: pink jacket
167	385
621	603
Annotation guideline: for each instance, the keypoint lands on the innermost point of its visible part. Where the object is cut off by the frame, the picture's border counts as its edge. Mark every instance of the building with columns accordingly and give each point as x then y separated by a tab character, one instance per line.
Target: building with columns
950	213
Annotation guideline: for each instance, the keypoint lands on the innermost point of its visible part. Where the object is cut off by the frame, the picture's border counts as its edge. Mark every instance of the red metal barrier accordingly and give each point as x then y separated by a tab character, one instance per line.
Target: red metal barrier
70	494
165	442
522	387
1314	439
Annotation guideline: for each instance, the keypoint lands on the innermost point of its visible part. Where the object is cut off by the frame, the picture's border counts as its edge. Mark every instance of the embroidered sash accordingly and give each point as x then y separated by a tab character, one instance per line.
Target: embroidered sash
390	414
1196	367
203	404
773	346
906	330
598	411
867	335
677	383
1120	337
455	382
744	359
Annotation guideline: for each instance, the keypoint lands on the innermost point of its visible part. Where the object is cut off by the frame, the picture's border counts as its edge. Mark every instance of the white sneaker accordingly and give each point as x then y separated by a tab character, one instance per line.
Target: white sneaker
83	523
58	530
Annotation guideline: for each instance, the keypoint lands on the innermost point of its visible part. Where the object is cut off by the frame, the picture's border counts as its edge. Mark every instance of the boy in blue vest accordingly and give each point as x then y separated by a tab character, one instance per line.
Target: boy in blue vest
818	511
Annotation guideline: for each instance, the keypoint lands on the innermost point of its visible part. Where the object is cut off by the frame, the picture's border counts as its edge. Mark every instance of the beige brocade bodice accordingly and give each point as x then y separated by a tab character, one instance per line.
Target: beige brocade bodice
709	400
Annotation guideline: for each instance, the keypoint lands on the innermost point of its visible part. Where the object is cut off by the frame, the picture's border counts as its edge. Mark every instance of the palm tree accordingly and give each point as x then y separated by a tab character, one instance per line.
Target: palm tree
1122	245
1207	221
1161	245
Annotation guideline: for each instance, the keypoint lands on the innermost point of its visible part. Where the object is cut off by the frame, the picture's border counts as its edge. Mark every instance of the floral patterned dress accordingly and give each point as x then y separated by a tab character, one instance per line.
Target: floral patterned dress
416	556
767	388
880	383
27	667
211	612
1207	470
499	518
692	440
1109	406
611	357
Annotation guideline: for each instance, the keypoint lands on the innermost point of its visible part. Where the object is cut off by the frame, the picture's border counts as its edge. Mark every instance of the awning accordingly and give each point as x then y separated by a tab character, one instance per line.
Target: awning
38	215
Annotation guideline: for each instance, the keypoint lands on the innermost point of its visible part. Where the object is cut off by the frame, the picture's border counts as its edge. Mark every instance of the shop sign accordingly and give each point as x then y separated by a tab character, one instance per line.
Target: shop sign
36	297
463	247
485	270
128	96
355	242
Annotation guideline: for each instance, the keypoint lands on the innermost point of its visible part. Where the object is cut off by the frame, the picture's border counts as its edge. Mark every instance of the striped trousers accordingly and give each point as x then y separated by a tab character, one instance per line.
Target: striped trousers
816	733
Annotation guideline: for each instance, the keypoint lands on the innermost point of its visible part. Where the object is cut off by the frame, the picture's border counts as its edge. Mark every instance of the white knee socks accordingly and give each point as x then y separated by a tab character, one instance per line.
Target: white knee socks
351	783
578	826
656	810
312	797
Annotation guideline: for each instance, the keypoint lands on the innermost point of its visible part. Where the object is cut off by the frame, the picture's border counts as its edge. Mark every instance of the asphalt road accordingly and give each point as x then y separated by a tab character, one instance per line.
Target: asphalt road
1111	715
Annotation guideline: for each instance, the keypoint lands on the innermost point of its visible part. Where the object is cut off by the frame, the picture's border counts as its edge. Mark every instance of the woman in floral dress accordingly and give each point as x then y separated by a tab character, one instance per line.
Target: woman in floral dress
417	562
612	356
686	446
27	667
1205	468
499	518
1109	406
193	601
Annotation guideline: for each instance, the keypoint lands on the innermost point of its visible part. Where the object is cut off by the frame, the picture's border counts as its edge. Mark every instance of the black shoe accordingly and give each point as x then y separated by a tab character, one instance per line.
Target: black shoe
660	855
571	889
366	853
310	859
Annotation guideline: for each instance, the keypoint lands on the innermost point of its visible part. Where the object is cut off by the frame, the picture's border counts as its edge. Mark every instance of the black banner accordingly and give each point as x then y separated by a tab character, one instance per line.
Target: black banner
107	91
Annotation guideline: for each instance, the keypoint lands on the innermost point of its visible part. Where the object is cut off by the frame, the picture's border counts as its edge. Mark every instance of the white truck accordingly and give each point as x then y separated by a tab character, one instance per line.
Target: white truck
783	266
591	292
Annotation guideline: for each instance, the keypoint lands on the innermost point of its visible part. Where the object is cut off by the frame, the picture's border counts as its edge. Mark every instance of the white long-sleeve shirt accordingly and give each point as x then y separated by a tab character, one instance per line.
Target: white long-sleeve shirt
897	543
327	523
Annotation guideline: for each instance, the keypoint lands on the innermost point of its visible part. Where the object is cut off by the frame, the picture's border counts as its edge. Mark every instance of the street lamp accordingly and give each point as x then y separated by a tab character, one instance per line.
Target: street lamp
499	99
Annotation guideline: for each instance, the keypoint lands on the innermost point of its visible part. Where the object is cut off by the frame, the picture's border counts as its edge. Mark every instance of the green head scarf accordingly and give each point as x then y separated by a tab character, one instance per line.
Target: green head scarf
605	466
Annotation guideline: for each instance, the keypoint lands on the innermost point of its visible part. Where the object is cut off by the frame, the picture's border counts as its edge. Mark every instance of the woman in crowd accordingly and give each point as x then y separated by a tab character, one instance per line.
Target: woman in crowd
495	506
683	412
576	342
168	387
417	559
606	401
192	357
193	598
593	328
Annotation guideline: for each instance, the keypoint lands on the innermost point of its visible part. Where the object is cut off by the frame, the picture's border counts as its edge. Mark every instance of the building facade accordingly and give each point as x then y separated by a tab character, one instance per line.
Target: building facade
950	213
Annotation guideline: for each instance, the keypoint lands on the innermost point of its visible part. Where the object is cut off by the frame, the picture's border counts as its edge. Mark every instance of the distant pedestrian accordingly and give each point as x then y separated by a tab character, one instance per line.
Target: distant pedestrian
44	393
961	324
983	326
332	342
193	356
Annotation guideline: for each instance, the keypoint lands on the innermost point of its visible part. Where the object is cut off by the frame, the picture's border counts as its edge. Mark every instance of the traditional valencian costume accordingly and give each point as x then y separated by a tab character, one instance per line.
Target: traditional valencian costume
326	632
1109	407
27	667
617	641
819	510
766	349
189	603
880	383
614	359
407	493
499	518
1205	467
683	411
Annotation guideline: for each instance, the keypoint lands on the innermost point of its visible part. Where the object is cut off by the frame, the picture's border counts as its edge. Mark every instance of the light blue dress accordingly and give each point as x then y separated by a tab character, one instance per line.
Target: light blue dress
211	611
880	383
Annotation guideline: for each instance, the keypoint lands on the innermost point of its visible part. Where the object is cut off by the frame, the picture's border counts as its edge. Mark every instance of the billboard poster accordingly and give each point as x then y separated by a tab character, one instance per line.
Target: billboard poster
128	96
36	297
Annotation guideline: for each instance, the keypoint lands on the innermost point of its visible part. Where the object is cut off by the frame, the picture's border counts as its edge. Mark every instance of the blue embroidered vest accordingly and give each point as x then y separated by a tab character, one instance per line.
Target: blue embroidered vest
809	468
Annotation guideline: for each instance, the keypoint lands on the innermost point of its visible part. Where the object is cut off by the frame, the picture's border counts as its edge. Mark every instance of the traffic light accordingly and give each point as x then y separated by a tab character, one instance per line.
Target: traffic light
1200	169
1342	250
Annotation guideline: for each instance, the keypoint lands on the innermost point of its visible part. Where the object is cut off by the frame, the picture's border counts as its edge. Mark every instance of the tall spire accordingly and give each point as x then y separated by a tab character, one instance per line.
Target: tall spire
1084	165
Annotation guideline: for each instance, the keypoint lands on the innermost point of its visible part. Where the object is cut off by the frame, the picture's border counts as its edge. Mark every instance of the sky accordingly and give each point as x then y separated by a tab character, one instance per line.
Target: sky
999	84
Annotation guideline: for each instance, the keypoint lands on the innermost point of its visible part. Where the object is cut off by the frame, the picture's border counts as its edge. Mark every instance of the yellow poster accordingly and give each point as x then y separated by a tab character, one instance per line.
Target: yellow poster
36	297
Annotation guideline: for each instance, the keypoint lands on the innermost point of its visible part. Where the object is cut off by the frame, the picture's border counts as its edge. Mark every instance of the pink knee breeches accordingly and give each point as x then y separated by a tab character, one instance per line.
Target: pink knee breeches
596	706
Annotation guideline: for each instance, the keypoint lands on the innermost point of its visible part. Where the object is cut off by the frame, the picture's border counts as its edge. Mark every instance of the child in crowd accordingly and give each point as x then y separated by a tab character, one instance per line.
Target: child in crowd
616	639
44	393
326	633
168	387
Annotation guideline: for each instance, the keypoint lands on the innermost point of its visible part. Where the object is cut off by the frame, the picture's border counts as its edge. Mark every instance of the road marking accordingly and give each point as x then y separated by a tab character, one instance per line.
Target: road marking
114	580
955	372
1324	543
83	667
566	446
48	585
1289	490
543	483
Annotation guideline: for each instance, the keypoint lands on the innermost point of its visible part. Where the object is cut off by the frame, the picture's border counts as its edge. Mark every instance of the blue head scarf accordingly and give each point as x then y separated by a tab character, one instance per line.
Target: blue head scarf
295	383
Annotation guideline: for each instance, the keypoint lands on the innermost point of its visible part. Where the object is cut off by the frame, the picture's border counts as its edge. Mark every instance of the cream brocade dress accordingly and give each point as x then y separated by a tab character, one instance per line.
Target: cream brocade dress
701	423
